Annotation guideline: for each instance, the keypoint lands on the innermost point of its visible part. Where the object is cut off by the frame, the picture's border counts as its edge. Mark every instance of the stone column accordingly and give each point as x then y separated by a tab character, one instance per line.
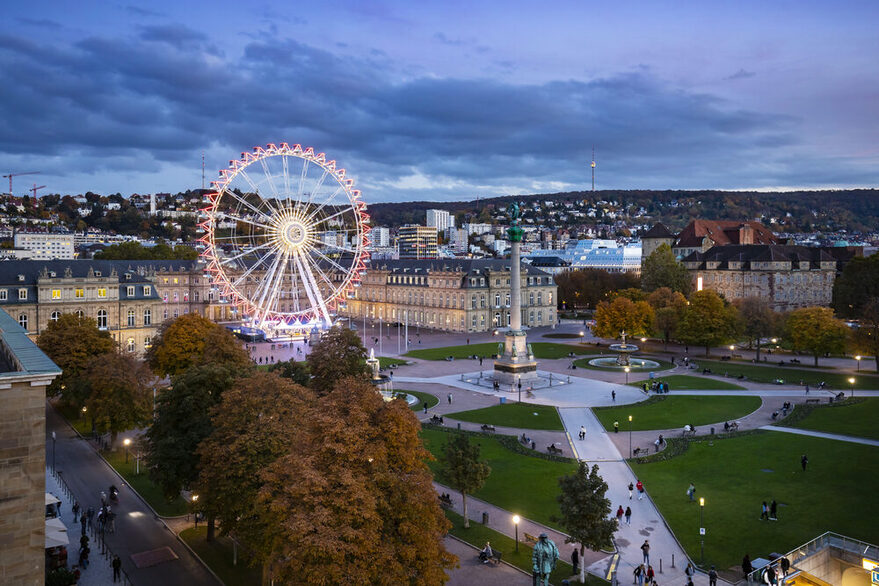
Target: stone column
515	288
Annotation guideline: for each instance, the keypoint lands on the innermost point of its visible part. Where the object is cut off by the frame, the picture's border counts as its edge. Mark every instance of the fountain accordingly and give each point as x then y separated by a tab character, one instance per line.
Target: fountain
385	383
624	357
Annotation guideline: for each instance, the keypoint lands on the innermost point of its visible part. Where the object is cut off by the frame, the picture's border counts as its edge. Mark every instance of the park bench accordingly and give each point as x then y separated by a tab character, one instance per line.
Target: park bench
529	539
495	556
553	450
637	451
488	427
436	419
691	432
816	401
445	501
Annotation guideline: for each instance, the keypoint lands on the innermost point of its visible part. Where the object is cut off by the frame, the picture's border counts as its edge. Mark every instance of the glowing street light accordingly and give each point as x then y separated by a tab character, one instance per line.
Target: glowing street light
702	528
126	442
516	520
731	350
630	436
195	502
851	383
627	374
858	358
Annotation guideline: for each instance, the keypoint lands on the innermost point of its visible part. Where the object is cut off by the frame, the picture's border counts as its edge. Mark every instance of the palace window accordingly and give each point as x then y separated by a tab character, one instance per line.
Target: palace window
131	318
130	344
2	294
55	315
102	319
22	294
56	293
80	314
22	320
102	293
147	317
147	290
79	293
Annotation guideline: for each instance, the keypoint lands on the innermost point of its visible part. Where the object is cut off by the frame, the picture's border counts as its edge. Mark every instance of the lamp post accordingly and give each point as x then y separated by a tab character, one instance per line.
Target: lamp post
630	436
731	350
627	374
516	520
702	529
858	358
53	451
126	442
851	383
194	503
520	391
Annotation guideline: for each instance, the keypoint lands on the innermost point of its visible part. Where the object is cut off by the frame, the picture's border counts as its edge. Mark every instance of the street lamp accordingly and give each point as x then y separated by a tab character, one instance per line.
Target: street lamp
702	528
516	520
53	451
520	391
851	383
126	442
858	358
731	350
627	374
630	436
194	502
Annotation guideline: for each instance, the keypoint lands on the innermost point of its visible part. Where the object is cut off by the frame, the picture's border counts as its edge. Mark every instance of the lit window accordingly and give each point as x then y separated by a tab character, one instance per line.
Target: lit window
102	293
147	317
176	280
56	293
22	320
55	315
147	342
131	318
22	294
2	294
79	294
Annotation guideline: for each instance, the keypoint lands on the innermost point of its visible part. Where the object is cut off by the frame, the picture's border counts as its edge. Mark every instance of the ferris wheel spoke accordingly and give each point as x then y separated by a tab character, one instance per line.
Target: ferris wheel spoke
319	184
270	178
324	203
246	203
245	253
342	212
264	285
311	289
316	268
247	273
253	186
237	218
329	260
302	176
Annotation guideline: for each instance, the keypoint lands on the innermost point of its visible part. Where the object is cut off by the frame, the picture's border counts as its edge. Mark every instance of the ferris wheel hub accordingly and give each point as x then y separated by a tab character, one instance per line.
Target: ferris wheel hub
294	234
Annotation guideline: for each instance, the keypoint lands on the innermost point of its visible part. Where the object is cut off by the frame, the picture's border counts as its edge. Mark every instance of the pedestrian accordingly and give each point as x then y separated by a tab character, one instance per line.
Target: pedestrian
747	568
631	488
575	560
639	574
628	515
91	516
803	461
480	361
75	510
83	541
650	575
656	445
117	568
450	398
807	389
773	510
764	511
425	407
616	426
645	549
691	492
785	566
620	513
82	523
468	341
690	582
582	432
613	396
640	487
661	439
690	571
712	577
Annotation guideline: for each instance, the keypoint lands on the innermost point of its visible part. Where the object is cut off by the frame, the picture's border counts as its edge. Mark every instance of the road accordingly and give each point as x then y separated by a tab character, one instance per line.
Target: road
137	528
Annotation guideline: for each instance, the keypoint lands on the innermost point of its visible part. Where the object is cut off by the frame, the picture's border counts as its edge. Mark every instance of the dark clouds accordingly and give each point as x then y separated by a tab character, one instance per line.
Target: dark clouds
144	104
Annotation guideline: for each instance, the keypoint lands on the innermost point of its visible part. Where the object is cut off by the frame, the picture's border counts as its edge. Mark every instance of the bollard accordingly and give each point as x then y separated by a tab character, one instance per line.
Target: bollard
660	565
459	425
672	560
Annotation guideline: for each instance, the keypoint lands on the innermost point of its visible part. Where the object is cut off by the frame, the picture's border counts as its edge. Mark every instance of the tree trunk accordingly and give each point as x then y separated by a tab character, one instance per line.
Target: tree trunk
210	534
816	359
665	343
582	564
707	350
758	349
464	503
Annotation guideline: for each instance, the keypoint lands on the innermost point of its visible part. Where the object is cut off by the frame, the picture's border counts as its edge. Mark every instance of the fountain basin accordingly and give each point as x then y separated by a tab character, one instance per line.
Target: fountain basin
633	363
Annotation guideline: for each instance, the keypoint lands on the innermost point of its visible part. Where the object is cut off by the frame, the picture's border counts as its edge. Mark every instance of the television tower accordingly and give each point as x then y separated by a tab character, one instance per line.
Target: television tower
593	168
202	170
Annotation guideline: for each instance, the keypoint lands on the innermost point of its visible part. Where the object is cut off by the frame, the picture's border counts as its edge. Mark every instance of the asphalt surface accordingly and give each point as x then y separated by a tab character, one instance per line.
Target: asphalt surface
137	528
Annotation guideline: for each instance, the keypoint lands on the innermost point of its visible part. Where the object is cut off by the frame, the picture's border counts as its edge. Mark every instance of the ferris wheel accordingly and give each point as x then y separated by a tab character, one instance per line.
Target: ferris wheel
286	236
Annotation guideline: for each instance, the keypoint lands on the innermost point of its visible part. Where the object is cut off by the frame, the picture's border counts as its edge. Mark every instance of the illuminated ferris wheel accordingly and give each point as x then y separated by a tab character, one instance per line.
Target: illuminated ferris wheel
286	236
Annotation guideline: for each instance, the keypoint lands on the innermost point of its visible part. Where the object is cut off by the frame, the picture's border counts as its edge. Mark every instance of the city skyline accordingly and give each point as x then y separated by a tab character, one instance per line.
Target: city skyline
444	101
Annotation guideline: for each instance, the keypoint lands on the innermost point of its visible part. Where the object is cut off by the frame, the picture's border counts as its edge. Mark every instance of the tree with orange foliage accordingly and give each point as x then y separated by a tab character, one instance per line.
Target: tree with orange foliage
623	314
192	339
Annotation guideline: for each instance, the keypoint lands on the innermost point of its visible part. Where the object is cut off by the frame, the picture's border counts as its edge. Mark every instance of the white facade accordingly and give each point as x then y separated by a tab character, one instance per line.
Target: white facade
46	246
380	237
440	219
598	254
477	229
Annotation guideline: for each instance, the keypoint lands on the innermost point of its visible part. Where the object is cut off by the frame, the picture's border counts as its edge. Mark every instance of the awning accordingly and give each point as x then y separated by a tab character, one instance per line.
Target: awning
56	538
55	524
51	499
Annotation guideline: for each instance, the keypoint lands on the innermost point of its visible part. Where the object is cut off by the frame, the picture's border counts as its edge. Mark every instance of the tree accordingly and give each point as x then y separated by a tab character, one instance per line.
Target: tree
296	371
815	330
192	339
136	251
622	314
661	269
120	393
339	354
756	320
72	342
708	321
866	334
856	286
463	468
586	287
668	307
585	511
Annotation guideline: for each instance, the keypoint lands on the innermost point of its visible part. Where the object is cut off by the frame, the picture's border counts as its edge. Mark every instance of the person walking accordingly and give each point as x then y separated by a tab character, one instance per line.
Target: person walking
450	398
82	522
631	488
117	569
764	512
690	571
640	487
691	492
628	515
75	510
712	577
651	575
613	396
803	461
582	432
645	549
747	568
639	574
620	513
575	560
773	511
425	407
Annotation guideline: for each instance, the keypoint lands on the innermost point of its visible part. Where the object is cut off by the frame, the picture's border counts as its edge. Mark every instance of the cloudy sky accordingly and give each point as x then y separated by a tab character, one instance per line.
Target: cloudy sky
444	100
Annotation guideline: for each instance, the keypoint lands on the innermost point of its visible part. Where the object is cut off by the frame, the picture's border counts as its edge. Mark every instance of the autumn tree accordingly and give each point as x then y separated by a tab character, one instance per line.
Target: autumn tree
72	342
353	502
120	392
339	354
463	468
757	320
296	371
668	308
856	296
192	339
816	331
708	321
586	511
866	334
661	269
623	314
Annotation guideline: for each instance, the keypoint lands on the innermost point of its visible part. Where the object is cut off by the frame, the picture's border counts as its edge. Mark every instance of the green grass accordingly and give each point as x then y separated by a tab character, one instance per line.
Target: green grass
542	350
217	555
144	486
74	418
422	397
857	419
675	411
386	361
836	493
521	415
768	374
685	382
663	364
523	484
477	534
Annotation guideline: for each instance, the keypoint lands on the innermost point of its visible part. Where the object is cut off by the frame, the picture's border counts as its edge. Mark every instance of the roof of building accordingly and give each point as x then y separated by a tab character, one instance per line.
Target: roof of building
760	253
723	233
18	354
80	268
659	230
549	261
470	266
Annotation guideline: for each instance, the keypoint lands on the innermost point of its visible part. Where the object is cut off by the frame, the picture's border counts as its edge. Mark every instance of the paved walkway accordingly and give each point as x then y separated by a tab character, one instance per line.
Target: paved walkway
472	571
832	436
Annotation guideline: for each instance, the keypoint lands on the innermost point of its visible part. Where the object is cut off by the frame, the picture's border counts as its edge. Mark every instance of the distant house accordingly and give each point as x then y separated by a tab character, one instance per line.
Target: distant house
701	235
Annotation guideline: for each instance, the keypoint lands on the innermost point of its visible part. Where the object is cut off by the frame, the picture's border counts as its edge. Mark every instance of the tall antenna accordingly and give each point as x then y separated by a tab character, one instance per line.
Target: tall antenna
593	168
202	170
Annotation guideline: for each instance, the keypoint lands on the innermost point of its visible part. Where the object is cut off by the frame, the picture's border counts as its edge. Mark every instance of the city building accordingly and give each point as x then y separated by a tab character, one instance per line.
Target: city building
440	219
477	229
380	237
786	276
25	372
457	295
700	235
606	255
417	242
46	246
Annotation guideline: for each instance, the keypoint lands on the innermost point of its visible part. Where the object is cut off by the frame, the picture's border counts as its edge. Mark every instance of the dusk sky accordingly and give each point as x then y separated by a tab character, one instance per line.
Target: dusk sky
444	100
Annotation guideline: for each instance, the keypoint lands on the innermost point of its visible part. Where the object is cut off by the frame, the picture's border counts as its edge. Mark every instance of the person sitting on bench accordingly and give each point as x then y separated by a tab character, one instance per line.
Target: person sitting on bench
486	553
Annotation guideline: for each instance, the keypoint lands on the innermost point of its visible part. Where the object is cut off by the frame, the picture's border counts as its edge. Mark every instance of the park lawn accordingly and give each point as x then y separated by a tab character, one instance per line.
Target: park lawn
422	398
735	475
143	485
542	350
74	418
521	415
218	555
675	411
477	534
768	374
524	484
663	364
685	382
386	361
857	419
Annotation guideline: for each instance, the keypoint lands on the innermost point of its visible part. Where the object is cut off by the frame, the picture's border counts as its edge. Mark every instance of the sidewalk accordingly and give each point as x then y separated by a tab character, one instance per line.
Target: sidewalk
831	436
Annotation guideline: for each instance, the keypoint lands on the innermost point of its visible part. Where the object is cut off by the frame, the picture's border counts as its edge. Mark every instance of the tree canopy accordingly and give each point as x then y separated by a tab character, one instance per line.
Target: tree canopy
708	321
463	467
586	287
192	339
137	251
757	320
816	331
668	307
856	286
661	269
623	314
120	397
296	371
338	354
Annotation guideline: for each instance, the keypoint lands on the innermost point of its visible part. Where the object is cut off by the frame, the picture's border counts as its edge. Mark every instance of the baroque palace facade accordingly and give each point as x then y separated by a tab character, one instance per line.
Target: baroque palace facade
455	295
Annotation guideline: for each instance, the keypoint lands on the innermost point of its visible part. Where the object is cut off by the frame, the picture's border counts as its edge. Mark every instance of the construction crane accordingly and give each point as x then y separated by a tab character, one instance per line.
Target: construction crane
35	188
11	175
